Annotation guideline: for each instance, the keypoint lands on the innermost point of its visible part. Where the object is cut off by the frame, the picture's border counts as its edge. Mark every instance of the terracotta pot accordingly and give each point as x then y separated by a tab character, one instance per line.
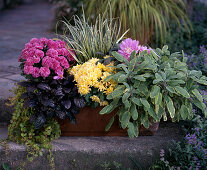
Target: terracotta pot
91	123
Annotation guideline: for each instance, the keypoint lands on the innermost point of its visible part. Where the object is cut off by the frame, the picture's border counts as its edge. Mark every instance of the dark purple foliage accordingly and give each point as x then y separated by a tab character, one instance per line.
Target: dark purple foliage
52	98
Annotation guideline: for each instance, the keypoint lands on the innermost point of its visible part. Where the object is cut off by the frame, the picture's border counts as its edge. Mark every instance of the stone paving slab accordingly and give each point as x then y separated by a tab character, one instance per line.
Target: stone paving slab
90	152
18	26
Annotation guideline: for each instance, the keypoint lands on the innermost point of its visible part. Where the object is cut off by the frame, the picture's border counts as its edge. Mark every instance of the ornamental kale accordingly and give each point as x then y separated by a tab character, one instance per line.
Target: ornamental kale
50	98
128	46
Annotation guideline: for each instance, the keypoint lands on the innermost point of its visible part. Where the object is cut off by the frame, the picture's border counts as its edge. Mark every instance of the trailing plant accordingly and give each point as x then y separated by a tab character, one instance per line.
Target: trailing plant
22	131
143	18
90	80
152	86
89	40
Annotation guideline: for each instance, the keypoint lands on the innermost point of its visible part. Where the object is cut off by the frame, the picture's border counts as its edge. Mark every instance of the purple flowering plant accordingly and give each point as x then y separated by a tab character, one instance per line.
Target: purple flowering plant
198	61
128	45
191	152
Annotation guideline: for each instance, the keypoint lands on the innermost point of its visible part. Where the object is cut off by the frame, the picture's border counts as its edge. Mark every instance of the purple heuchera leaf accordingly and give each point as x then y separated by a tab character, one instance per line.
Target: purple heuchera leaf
66	104
43	86
60	114
79	102
59	92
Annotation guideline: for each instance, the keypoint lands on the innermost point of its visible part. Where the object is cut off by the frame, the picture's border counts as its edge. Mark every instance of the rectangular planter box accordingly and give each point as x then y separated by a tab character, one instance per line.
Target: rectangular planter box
91	123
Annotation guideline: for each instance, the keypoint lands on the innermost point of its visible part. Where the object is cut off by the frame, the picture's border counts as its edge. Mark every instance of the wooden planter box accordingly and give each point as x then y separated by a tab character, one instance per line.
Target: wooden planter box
91	123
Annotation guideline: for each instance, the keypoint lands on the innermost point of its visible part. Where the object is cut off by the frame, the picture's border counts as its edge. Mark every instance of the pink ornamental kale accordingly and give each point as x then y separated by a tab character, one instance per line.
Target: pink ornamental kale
45	57
128	46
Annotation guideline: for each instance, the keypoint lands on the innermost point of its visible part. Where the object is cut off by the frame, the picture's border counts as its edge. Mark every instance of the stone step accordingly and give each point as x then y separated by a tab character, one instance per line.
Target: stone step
5	112
95	152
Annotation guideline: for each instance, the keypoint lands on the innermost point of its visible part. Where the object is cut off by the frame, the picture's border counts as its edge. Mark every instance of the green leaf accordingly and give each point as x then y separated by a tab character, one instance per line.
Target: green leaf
165	48
127	104
160	112
156	81
133	55
156	57
145	103
163	75
184	112
5	166
122	78
140	78
152	113
108	78
124	67
107	109
133	60
158	77
205	113
199	104
145	120
190	110
158	99
134	112
118	56
125	96
141	66
130	130
146	75
143	89
170	106
182	91
117	92
176	54
136	128
125	119
198	95
136	101
109	124
170	89
175	82
126	85
155	91
204	82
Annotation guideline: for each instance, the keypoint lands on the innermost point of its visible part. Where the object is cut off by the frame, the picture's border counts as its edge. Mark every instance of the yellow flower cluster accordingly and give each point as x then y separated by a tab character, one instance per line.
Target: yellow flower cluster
90	74
96	99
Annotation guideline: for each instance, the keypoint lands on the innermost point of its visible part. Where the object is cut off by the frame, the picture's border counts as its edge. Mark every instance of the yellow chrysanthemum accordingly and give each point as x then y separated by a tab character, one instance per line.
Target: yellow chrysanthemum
90	74
104	103
109	90
95	99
